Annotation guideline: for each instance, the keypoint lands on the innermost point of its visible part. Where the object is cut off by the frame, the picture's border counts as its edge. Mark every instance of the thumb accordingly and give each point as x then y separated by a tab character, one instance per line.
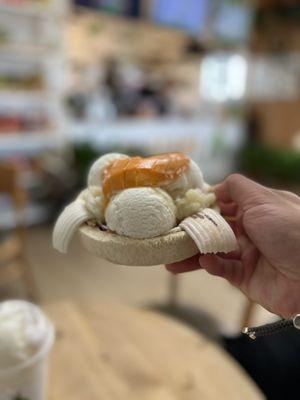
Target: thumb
242	191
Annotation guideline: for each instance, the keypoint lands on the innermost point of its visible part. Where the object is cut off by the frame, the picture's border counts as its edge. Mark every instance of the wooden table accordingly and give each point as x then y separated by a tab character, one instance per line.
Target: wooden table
112	352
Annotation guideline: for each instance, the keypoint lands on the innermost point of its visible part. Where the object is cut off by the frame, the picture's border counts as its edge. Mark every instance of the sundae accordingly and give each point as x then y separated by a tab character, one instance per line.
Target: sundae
145	211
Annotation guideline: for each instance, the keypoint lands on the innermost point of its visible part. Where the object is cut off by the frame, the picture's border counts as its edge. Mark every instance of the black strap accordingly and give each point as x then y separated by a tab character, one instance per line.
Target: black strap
269	329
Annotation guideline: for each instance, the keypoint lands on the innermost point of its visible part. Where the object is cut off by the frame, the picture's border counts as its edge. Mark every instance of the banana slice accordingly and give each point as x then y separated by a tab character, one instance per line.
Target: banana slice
210	232
67	224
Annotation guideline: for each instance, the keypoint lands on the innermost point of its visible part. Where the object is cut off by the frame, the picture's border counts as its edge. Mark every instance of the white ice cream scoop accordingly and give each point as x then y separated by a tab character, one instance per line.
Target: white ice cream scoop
191	179
141	213
24	330
95	176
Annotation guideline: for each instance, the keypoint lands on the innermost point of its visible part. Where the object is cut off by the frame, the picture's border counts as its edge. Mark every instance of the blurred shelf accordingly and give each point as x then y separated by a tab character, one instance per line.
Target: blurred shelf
23	93
210	141
43	55
24	98
26	50
30	179
28	10
143	131
26	144
32	215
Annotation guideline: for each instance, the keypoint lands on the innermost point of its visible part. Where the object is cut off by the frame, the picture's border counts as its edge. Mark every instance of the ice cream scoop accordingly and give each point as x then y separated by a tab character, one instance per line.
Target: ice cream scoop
141	213
24	330
192	178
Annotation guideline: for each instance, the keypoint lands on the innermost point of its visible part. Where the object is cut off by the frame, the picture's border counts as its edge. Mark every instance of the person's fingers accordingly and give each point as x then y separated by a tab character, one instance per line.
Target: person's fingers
190	264
249	257
288	196
233	255
228	209
239	227
236	223
231	270
244	243
240	190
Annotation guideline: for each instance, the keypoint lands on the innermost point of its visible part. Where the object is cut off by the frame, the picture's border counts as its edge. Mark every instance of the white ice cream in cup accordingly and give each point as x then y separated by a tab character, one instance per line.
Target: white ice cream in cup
26	337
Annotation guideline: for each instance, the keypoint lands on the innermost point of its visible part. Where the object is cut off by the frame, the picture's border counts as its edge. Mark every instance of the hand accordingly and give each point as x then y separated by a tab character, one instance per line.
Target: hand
267	225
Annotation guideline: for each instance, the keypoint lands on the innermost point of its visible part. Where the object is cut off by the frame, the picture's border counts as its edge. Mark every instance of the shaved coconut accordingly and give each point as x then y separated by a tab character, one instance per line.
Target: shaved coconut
210	232
88	205
67	224
94	202
194	201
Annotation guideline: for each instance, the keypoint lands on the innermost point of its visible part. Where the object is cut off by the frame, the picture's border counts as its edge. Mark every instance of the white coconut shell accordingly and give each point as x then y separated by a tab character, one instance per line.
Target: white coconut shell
172	247
210	232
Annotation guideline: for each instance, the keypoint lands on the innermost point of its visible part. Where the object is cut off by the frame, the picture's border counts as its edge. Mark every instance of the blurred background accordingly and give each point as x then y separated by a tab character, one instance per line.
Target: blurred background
217	79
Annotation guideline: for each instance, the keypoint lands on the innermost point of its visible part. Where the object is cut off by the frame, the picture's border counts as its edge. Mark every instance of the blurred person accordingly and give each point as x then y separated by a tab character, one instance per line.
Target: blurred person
266	267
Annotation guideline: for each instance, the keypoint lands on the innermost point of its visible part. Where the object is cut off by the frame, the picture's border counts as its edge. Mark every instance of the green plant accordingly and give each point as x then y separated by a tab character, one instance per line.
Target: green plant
20	397
272	164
